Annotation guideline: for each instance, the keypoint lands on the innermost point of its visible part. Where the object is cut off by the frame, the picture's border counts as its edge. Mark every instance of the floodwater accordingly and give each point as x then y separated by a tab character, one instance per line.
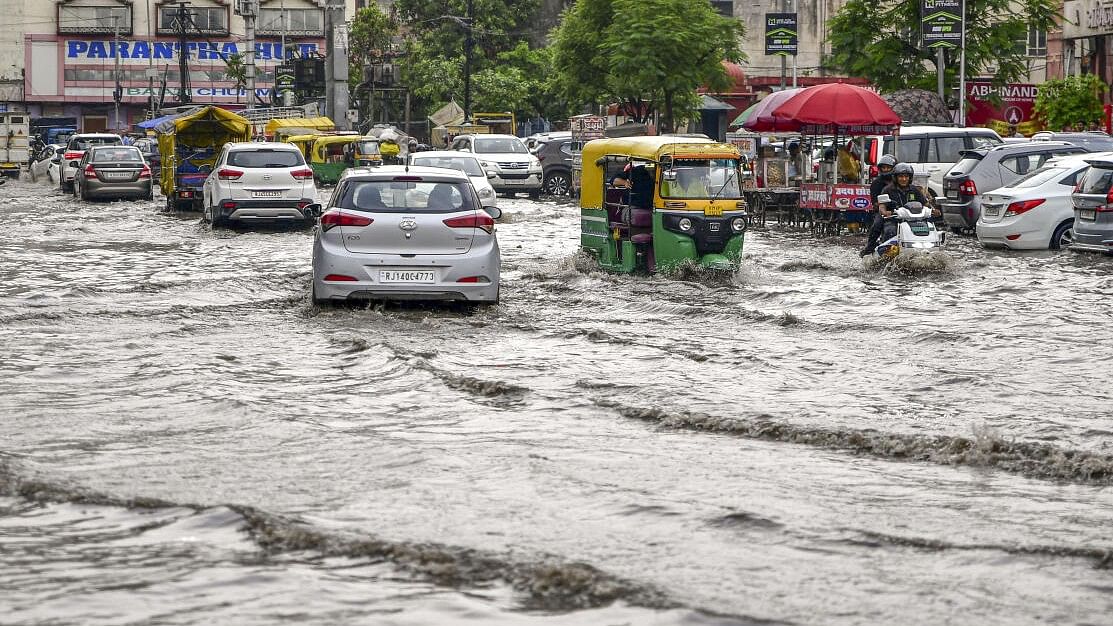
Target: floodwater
187	440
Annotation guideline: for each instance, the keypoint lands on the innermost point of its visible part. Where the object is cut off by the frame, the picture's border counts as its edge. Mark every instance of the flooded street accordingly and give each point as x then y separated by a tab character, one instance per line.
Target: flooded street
187	440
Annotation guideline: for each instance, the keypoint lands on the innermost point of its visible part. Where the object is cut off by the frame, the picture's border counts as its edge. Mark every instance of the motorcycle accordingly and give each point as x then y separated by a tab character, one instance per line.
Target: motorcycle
909	232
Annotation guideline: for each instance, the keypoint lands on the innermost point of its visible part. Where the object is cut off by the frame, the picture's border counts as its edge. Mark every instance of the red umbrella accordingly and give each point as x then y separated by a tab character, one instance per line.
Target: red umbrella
762	120
837	105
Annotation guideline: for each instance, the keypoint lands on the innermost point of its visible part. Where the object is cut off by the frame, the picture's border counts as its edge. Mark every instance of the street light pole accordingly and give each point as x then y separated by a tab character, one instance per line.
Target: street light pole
469	41
116	71
962	70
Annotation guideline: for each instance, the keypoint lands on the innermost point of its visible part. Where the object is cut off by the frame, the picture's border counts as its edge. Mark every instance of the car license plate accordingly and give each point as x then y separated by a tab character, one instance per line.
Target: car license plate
117	175
1086	214
407	276
992	211
952	193
266	194
515	182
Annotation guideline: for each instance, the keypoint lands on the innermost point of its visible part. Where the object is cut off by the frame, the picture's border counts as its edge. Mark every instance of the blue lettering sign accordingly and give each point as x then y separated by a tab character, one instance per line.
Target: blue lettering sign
229	49
97	50
75	49
109	49
141	50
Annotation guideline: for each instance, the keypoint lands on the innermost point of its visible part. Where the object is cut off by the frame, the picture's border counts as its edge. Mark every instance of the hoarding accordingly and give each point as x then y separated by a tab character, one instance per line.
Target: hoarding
780	34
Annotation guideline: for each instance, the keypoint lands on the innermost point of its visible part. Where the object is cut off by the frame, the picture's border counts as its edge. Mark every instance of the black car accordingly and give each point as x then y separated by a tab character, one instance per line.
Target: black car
556	163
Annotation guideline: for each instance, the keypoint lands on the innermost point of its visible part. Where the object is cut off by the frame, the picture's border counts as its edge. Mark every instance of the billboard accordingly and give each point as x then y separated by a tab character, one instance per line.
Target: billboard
780	34
941	23
1010	115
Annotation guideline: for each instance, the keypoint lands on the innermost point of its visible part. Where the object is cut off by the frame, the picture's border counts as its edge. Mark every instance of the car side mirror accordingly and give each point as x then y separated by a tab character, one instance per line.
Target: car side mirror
491	174
56	160
493	211
73	163
314	209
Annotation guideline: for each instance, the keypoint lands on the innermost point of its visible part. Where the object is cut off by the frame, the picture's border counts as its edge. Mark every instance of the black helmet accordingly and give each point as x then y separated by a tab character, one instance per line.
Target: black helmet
902	168
887	159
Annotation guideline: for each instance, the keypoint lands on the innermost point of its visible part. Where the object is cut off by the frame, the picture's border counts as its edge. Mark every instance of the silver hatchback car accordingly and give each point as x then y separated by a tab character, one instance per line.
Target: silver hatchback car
396	233
1093	208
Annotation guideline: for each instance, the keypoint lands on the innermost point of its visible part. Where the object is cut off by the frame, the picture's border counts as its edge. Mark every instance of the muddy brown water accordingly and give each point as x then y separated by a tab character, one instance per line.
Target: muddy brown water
187	440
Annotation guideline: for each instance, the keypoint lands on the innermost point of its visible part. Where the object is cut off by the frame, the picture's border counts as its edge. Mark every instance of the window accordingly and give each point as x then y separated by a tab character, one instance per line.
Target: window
908	150
467	165
117	154
212	20
724	7
94	20
408	196
1034	45
1021	164
266	158
945	149
510	145
298	22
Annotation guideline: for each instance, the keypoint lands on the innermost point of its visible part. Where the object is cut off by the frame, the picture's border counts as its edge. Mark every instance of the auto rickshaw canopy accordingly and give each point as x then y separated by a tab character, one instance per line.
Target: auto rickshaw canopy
204	127
322	143
651	149
320	123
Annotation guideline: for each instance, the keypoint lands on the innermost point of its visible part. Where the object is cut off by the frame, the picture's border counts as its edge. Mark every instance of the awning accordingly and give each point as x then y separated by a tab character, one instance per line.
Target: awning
707	103
313	123
156	121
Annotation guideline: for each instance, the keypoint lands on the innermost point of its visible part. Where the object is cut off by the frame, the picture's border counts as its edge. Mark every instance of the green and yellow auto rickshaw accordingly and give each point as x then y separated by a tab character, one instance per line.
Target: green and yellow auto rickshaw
330	155
683	203
366	152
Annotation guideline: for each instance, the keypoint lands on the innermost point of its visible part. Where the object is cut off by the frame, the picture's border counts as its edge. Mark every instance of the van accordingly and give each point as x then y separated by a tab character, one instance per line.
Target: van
930	150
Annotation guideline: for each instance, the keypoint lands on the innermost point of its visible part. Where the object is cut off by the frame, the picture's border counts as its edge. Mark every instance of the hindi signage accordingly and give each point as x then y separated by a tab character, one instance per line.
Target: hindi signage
780	34
941	23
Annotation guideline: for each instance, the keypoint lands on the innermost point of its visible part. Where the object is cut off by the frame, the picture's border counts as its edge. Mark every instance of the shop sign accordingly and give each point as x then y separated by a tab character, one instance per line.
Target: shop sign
851	197
746	144
1087	18
815	196
780	34
1012	112
82	49
588	127
941	23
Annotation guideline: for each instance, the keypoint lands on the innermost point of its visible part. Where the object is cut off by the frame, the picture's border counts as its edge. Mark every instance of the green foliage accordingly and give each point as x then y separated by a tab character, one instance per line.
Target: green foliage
1072	103
235	70
431	78
880	40
654	51
369	38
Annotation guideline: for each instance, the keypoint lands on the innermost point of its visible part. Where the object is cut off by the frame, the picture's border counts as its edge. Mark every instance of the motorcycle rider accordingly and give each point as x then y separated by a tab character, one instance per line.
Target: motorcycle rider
901	191
885	176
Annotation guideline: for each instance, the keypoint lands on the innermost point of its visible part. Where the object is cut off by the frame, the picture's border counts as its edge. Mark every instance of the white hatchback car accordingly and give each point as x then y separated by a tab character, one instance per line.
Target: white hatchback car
259	181
1034	213
465	163
405	233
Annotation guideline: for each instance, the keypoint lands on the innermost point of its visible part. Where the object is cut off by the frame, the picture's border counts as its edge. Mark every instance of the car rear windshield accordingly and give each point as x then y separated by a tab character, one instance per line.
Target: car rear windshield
408	196
1098	179
966	165
496	145
114	155
467	165
1040	176
83	143
1094	144
265	157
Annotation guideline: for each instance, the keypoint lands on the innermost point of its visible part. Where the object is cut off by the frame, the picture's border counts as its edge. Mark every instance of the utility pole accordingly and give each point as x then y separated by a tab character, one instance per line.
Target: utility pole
962	70
336	64
469	43
117	89
152	22
183	18
249	9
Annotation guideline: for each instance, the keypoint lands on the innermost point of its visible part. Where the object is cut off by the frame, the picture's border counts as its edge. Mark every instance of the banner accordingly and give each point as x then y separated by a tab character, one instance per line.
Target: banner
815	196
851	198
941	23
780	34
1012	114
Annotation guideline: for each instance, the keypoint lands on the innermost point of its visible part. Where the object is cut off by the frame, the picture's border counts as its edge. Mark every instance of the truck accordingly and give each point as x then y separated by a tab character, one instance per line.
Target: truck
15	146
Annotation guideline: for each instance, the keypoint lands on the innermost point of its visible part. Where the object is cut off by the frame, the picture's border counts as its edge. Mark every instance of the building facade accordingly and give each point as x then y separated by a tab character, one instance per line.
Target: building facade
1084	45
63	57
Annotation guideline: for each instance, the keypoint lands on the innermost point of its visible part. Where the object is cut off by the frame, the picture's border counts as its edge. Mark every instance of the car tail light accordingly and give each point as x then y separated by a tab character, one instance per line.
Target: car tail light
1108	202
474	279
302	174
303	204
341	278
475	220
1016	208
90	172
70	156
228	205
145	172
225	173
340	218
968	188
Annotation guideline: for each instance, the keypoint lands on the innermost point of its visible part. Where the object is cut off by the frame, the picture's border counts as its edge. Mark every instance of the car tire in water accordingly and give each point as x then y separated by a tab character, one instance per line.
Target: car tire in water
313	292
210	215
1063	236
558	184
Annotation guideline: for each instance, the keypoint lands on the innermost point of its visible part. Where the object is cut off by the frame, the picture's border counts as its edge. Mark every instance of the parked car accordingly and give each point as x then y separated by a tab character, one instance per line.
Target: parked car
1093	207
76	148
556	162
113	172
465	163
931	150
48	163
516	170
1035	212
396	233
984	169
149	148
258	181
1095	141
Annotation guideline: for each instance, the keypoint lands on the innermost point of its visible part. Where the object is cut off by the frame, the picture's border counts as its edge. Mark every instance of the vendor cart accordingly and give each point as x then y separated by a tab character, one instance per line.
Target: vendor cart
188	145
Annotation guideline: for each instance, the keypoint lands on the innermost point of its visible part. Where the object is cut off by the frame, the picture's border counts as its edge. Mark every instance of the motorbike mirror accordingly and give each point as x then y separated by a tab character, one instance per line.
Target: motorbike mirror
883	198
493	211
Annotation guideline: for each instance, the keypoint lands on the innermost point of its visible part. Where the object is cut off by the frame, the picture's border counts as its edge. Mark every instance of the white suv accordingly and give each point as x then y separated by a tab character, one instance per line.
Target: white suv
75	149
505	156
259	181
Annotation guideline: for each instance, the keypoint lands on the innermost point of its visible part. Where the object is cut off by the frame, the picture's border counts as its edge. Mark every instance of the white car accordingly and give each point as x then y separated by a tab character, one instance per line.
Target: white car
75	149
1034	213
259	181
515	169
48	165
467	164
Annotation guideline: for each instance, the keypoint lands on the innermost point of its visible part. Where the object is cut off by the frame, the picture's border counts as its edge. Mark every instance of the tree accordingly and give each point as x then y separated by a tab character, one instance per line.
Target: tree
880	40
644	53
1072	103
236	72
369	40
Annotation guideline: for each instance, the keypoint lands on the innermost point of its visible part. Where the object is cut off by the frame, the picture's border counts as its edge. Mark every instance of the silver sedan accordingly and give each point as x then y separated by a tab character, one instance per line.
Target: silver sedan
393	233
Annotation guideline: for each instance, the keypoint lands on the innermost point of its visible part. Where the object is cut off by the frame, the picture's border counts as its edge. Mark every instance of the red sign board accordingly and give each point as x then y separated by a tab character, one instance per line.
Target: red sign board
815	196
1013	113
851	198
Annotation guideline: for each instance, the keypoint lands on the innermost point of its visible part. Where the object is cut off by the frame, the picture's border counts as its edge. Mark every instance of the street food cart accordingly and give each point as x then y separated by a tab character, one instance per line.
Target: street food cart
584	128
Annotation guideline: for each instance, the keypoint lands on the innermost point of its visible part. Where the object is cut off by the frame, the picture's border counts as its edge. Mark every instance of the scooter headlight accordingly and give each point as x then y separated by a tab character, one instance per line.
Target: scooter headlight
685	224
738	225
